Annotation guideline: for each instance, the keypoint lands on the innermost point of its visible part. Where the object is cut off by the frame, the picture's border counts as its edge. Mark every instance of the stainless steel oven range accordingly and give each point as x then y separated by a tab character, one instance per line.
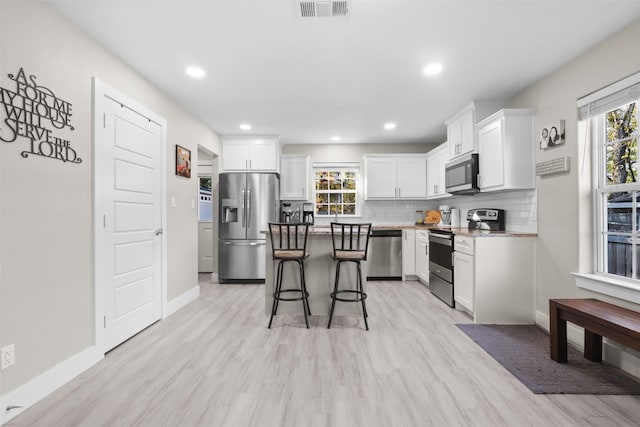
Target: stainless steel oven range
441	265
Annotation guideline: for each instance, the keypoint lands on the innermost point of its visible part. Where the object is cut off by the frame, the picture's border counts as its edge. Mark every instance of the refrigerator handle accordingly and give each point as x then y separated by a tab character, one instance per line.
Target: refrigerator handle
248	205
244	196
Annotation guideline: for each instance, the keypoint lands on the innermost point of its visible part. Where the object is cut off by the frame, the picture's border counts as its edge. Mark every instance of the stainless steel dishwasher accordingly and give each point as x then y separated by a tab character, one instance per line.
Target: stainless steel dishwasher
384	261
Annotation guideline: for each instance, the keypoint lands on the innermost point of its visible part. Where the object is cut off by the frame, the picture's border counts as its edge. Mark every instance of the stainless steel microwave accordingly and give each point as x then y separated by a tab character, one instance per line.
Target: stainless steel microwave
461	175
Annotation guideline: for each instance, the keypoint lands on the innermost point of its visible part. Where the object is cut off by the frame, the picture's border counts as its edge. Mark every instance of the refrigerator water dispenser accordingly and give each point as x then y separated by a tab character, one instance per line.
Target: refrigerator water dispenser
229	210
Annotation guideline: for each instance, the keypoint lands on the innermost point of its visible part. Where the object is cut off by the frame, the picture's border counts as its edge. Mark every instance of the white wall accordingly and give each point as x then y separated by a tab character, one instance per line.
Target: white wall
46	271
565	201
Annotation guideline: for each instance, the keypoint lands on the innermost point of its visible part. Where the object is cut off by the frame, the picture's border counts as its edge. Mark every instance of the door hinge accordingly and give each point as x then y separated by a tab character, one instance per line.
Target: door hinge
104	221
104	322
104	120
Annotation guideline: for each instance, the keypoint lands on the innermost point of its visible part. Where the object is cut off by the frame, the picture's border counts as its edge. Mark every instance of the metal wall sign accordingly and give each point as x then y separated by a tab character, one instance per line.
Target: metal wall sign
35	113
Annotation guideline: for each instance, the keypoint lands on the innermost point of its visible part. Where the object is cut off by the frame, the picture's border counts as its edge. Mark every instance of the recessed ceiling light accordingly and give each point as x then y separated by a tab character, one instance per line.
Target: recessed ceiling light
195	72
390	126
335	138
432	69
245	126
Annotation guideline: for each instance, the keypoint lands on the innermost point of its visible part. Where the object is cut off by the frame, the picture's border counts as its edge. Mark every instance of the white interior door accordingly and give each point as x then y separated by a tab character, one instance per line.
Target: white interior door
205	246
128	162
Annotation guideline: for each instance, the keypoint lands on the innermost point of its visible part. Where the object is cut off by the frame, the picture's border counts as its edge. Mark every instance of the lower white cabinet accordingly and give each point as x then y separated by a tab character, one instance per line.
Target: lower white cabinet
408	254
422	255
464	281
494	282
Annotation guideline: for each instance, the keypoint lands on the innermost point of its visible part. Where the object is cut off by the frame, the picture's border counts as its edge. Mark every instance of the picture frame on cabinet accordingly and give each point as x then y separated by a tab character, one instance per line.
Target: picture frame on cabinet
552	135
183	161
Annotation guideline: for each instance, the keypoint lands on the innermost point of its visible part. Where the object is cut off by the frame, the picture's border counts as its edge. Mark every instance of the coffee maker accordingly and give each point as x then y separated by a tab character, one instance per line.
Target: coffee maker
307	213
289	214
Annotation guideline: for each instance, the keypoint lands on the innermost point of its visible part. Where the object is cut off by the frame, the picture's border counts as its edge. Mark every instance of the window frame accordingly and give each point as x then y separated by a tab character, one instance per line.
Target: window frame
602	189
592	133
338	167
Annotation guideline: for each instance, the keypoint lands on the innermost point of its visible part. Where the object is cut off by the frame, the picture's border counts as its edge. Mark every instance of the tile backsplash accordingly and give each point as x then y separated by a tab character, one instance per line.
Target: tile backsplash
521	209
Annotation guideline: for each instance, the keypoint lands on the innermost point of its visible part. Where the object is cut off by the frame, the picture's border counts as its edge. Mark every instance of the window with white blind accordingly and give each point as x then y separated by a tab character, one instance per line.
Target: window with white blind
611	119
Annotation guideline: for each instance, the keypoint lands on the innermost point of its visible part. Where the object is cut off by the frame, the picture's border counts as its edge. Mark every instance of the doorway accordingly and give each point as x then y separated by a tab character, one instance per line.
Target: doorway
207	224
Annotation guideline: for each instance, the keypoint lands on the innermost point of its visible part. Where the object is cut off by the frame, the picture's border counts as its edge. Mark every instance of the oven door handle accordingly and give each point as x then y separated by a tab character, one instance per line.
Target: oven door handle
442	236
440	240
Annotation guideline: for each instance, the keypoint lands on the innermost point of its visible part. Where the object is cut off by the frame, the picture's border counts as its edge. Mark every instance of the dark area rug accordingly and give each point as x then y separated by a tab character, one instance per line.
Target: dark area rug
524	351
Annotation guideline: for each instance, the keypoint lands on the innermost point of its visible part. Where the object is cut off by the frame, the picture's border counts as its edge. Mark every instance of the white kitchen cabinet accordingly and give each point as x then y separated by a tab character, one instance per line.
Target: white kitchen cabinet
408	254
463	272
395	177
294	177
460	132
422	255
495	283
461	128
506	150
250	153
436	160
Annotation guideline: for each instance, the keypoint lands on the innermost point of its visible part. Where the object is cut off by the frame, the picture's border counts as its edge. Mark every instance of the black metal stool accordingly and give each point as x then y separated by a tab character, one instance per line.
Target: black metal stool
289	243
350	244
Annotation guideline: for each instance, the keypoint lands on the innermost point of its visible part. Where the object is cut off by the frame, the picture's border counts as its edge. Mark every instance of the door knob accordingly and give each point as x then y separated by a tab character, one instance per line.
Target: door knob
158	231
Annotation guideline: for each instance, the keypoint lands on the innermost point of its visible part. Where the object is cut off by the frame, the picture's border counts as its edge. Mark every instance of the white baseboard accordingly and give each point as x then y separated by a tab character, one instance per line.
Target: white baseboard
179	302
38	388
613	353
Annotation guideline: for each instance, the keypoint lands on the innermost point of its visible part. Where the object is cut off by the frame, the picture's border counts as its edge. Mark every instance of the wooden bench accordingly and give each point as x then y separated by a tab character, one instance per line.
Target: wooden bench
598	319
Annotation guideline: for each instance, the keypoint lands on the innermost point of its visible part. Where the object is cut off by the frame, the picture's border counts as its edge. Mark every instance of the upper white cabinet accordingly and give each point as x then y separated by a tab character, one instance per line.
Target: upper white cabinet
395	176
250	153
294	177
461	128
436	159
506	150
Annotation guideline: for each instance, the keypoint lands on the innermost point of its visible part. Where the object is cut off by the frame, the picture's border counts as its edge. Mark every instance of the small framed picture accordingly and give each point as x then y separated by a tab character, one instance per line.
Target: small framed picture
552	135
183	162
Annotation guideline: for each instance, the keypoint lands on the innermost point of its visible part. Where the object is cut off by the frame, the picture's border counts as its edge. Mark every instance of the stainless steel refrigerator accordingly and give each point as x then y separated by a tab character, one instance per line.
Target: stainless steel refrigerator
248	202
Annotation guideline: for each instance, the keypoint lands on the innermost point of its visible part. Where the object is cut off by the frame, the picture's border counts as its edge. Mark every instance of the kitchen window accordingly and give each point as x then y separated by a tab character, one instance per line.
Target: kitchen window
337	190
609	122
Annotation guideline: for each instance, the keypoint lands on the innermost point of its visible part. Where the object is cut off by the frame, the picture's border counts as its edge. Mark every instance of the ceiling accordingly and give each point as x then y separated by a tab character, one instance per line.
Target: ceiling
308	79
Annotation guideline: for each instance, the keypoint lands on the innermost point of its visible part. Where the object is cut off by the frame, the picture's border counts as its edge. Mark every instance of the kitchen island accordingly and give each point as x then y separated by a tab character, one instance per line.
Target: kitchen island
320	270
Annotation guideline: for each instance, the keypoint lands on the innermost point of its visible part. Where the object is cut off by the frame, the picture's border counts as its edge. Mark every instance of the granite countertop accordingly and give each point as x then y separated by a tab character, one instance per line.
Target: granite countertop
326	230
460	231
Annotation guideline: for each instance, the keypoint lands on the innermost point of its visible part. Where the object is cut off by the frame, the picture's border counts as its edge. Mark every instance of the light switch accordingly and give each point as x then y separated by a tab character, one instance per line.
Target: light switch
173	202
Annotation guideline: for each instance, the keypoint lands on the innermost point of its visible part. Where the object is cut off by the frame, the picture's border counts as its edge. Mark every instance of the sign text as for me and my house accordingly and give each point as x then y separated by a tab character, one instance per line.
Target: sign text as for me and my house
34	112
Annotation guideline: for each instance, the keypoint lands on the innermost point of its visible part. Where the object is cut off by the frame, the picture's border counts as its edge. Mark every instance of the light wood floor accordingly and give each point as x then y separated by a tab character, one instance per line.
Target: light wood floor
215	363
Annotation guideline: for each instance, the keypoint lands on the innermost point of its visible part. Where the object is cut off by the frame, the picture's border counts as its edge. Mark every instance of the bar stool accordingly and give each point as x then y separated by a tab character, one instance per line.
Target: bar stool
289	244
350	244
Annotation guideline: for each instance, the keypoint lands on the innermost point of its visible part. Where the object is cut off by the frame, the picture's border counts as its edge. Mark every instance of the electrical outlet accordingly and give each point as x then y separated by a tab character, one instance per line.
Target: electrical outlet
8	355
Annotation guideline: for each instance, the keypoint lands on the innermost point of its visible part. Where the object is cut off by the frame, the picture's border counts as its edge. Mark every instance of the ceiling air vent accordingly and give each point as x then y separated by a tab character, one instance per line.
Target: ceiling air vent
320	9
